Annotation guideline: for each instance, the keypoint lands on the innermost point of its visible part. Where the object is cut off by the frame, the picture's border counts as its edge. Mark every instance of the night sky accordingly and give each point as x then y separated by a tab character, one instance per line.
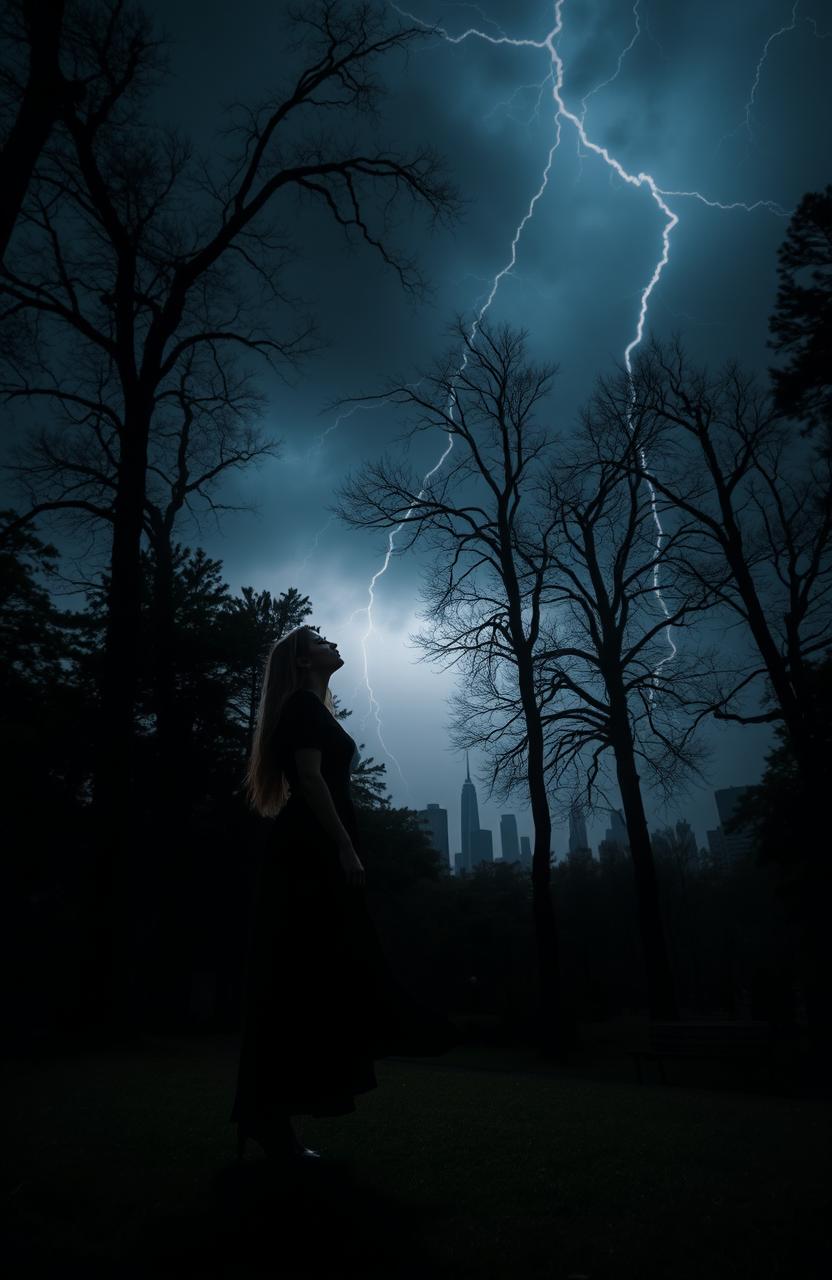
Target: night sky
678	109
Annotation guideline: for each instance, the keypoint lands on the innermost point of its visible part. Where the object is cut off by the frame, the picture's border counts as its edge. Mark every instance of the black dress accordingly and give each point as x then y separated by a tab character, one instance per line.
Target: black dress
320	1002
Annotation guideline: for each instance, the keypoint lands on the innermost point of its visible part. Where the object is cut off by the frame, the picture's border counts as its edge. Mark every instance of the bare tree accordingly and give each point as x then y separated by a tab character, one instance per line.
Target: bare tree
204	427
609	677
133	255
762	503
480	594
677	862
613	675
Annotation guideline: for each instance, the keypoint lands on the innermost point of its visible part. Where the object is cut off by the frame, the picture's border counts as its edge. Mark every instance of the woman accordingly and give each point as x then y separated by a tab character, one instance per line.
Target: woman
320	1003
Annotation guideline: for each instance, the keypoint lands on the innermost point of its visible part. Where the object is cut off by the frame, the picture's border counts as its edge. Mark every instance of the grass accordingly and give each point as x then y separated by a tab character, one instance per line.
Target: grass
123	1163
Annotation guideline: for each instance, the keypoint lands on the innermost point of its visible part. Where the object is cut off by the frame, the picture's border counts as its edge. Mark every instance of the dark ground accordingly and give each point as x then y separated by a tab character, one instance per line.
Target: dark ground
480	1163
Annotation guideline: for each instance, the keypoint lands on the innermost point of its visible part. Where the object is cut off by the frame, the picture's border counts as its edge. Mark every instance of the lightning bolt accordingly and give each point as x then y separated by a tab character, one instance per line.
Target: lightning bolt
775	35
347	413
562	113
605	83
391	537
622	55
745	123
316	449
506	103
310	456
305	561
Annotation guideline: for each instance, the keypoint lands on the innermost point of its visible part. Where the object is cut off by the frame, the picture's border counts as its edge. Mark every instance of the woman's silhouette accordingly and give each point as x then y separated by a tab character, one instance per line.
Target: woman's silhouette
320	1003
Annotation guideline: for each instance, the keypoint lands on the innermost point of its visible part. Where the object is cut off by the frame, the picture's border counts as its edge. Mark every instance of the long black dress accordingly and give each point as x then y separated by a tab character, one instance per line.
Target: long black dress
320	1002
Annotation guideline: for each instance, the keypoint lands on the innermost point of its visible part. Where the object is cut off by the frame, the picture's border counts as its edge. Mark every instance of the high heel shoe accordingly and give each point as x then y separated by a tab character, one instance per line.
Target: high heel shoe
296	1154
305	1155
295	1157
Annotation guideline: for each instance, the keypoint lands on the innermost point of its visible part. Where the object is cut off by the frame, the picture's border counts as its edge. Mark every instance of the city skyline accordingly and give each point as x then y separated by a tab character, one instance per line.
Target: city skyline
463	854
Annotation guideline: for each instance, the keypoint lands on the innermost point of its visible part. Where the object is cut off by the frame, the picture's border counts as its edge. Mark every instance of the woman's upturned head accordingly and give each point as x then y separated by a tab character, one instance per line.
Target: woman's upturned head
301	659
317	657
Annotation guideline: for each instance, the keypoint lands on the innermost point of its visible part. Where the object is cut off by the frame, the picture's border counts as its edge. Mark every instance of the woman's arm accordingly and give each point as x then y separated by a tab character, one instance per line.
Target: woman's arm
318	796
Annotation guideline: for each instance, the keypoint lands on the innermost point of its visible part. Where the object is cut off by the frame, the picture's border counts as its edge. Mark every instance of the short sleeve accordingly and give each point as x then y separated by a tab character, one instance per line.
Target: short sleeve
304	722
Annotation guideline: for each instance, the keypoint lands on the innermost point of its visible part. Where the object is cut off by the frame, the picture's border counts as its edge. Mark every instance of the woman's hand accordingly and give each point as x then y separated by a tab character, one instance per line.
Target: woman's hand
350	861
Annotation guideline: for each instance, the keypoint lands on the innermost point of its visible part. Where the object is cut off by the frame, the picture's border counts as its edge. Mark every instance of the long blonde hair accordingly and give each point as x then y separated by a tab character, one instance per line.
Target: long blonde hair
266	785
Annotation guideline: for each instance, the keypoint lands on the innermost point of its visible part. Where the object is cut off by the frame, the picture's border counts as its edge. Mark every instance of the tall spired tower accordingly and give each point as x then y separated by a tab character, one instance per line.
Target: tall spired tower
578	842
470	817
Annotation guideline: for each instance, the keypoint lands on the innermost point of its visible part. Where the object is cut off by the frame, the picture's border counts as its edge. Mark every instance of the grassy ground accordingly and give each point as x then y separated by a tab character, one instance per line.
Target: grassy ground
123	1163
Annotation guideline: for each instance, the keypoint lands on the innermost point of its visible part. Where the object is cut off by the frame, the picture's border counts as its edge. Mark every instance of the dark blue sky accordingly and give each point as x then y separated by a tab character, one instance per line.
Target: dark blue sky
677	110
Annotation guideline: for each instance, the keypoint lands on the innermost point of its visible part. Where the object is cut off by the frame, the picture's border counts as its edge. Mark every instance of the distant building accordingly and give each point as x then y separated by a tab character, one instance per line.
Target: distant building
716	844
610	851
525	851
578	842
616	832
482	847
435	821
676	843
729	844
686	840
727	800
616	842
470	818
509	840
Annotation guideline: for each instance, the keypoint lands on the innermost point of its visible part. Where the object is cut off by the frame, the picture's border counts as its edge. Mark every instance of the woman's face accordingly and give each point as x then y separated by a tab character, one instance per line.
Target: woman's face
322	654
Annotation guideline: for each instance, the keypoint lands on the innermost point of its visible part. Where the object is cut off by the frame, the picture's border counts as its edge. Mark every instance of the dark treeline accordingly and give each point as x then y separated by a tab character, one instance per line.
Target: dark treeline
732	938
190	890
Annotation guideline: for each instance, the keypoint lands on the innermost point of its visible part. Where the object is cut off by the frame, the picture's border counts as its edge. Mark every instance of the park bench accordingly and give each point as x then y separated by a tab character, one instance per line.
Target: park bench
748	1043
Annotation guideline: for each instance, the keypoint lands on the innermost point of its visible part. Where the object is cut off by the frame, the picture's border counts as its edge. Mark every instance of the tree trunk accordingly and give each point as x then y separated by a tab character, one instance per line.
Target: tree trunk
110	990
793	698
169	872
806	738
253	706
38	110
816	963
661	997
555	1036
164	674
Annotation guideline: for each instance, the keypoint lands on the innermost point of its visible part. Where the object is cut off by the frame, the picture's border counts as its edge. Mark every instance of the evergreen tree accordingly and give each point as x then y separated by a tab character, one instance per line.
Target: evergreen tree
802	321
252	622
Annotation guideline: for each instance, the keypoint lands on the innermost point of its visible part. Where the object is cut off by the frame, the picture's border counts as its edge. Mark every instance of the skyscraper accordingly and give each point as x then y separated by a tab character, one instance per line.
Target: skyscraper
470	818
616	832
729	844
616	842
509	840
686	840
716	844
578	842
435	821
525	851
482	847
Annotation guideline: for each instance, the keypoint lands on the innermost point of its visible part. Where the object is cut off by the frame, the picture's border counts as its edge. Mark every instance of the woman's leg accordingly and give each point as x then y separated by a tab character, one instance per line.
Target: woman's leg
279	1135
